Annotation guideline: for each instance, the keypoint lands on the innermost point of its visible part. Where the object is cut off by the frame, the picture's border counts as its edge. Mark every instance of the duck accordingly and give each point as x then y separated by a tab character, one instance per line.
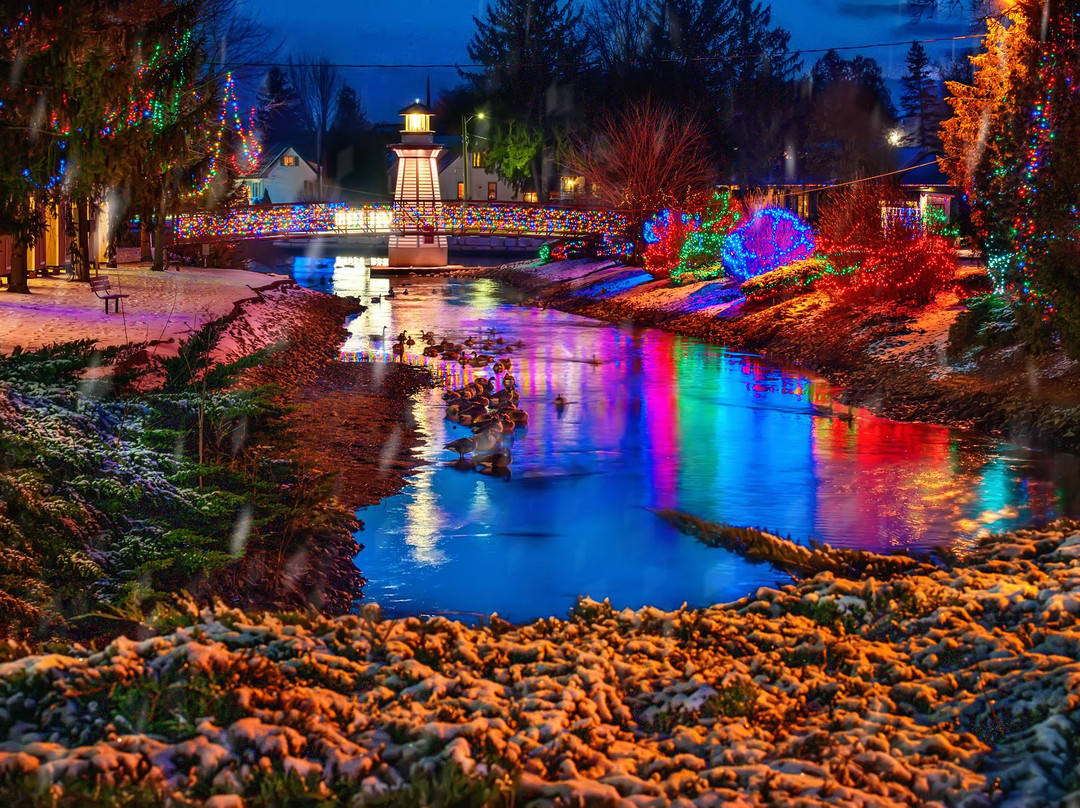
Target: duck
390	294
498	367
462	446
398	349
410	341
488	440
428	336
560	402
509	382
495	460
376	300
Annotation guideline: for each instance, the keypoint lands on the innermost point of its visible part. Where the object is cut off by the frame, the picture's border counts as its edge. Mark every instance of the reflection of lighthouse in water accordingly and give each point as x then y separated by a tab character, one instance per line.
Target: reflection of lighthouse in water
416	193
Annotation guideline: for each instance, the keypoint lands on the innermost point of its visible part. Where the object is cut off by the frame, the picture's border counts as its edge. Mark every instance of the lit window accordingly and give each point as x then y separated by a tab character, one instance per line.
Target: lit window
531	196
290	160
461	190
478	159
493	191
416	122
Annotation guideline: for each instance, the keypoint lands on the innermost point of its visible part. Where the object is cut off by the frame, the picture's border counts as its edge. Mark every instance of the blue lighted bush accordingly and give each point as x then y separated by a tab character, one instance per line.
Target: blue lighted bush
771	238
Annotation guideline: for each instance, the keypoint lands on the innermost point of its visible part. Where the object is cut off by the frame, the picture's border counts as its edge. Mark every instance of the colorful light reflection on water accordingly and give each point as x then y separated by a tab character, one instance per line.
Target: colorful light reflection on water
660	421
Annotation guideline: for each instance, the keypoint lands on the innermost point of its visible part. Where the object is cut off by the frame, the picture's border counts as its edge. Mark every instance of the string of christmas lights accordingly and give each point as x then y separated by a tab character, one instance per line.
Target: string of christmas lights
699	256
250	148
771	238
276	220
450	217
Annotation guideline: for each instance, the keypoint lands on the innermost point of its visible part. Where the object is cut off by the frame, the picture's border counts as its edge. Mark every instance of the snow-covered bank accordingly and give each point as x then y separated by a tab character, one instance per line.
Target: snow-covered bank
948	687
125	479
887	357
163	306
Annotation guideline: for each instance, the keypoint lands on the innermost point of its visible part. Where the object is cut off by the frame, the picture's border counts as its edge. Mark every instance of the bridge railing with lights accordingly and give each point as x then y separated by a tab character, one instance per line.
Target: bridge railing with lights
443	218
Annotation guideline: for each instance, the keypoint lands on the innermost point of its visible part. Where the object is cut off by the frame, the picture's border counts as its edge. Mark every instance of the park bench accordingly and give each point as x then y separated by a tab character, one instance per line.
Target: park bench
100	287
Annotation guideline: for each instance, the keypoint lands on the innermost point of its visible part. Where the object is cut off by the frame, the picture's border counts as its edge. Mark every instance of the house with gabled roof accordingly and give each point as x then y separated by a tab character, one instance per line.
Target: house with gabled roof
283	176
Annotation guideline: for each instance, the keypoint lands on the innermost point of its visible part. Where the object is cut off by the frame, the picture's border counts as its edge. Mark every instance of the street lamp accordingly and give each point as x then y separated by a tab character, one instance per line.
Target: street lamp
465	149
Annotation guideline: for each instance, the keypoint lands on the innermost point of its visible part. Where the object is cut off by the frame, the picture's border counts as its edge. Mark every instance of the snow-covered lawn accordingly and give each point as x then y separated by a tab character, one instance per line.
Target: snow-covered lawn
162	306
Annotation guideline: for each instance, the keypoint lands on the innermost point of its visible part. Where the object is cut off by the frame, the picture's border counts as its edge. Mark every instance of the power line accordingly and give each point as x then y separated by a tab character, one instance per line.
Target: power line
474	65
861	179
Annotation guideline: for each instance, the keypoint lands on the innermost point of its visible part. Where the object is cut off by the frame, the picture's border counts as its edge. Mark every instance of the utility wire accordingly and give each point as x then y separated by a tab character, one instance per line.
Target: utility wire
861	179
463	65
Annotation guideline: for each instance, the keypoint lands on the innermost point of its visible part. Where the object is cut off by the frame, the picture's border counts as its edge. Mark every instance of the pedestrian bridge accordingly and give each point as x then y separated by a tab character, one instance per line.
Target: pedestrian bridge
409	218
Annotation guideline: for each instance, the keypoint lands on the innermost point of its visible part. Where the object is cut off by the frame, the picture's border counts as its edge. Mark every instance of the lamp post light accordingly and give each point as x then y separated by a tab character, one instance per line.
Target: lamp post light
465	150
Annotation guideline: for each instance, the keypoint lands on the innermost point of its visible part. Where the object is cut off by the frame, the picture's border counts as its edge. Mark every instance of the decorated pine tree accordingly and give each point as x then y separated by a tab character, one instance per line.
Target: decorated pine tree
1011	147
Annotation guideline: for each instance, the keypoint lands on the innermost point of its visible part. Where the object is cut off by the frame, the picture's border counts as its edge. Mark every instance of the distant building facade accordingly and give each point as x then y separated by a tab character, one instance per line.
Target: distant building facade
283	177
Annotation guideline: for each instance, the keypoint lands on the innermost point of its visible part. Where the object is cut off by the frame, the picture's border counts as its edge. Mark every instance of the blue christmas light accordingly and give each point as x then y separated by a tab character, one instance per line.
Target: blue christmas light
771	238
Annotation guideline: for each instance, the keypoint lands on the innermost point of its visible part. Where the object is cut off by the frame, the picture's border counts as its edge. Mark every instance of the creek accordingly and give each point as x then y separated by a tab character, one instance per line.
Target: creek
653	420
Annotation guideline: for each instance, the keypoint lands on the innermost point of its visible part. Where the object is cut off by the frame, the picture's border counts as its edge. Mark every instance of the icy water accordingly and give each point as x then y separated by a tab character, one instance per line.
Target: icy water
657	421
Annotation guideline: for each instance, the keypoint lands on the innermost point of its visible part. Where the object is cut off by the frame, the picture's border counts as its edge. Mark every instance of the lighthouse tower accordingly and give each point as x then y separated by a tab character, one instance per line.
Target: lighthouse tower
417	205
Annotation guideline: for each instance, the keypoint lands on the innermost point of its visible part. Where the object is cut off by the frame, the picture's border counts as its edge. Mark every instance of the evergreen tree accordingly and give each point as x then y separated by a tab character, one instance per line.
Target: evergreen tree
528	48
761	95
278	108
1011	145
27	158
919	102
849	111
350	117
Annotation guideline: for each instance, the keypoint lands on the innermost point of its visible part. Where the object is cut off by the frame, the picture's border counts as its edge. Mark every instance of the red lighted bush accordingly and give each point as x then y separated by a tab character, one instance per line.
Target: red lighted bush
904	268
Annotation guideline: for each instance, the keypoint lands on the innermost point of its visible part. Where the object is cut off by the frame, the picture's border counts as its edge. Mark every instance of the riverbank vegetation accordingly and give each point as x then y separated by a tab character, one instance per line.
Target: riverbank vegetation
117	497
953	684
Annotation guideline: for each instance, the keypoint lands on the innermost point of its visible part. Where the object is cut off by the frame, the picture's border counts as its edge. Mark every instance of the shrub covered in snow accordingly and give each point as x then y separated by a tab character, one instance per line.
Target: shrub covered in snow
110	498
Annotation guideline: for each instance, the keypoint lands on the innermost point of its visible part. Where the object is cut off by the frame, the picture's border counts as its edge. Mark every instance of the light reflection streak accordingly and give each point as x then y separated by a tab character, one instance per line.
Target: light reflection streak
662	421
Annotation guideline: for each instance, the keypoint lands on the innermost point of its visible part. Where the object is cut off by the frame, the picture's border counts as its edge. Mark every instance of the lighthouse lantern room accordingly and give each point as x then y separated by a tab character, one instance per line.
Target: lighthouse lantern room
417	205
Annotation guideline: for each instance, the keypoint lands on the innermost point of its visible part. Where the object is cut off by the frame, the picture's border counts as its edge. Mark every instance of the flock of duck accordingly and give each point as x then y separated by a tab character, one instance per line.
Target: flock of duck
489	406
459	352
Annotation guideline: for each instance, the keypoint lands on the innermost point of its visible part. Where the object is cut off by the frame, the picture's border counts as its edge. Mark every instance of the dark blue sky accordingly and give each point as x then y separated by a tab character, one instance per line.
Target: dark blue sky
436	31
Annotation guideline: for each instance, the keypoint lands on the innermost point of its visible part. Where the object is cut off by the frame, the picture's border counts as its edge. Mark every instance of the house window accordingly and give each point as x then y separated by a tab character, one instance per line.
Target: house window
461	190
290	160
478	159
531	196
256	191
493	191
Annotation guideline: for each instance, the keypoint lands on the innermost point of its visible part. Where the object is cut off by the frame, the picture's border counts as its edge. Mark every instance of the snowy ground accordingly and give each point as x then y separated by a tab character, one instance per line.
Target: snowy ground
949	686
163	306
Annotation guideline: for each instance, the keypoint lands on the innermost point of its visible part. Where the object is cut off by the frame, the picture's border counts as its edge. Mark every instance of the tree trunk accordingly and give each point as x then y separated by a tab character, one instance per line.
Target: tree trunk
81	256
145	253
17	279
110	250
318	153
159	242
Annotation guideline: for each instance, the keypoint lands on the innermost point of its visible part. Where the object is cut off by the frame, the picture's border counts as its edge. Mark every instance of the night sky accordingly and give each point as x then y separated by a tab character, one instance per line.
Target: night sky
436	31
